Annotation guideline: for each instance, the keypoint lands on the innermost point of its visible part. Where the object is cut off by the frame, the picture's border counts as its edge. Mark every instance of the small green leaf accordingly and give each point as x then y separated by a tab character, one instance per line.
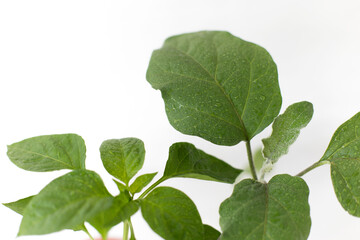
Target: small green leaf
141	182
277	210
216	86
120	186
65	203
172	214
343	153
259	159
286	129
49	153
123	158
121	209
211	233
185	160
19	205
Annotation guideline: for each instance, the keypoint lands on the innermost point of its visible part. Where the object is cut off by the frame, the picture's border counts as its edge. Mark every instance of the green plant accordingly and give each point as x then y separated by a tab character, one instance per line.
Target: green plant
80	195
215	86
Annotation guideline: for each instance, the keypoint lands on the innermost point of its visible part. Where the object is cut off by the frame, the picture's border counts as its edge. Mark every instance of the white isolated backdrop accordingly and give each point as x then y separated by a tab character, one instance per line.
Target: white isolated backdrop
79	66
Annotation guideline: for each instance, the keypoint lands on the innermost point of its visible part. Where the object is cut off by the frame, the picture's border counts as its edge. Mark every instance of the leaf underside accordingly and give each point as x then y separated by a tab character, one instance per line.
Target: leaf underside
286	129
277	210
216	86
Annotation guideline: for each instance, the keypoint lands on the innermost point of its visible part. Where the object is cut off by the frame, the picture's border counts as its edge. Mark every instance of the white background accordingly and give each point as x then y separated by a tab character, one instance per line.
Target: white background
79	66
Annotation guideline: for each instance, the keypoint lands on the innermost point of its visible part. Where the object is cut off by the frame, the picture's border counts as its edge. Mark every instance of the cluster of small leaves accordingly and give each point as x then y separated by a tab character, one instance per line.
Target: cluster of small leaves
225	90
80	195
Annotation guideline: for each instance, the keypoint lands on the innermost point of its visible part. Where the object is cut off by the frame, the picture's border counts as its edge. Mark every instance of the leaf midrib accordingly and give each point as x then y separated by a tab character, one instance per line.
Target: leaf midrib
44	156
241	123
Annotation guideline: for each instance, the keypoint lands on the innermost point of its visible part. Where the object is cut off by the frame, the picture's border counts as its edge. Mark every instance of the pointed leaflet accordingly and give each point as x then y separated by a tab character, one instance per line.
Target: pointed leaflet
172	214
120	186
141	182
216	86
65	203
48	153
343	153
210	233
123	158
277	210
185	160
19	205
286	129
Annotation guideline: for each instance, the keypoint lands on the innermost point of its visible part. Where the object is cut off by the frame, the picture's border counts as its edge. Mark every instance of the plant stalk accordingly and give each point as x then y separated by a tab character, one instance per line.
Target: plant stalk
89	235
131	230
126	230
251	160
315	165
152	187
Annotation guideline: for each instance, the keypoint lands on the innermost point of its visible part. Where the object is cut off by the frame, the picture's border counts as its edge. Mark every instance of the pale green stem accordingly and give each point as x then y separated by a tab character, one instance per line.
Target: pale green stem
87	232
315	165
131	229
126	230
251	160
152	187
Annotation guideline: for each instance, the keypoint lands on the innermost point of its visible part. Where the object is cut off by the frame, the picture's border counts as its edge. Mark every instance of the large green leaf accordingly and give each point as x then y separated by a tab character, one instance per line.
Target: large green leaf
123	158
216	86
185	160
19	205
286	129
343	153
277	210
121	209
48	153
172	214
65	203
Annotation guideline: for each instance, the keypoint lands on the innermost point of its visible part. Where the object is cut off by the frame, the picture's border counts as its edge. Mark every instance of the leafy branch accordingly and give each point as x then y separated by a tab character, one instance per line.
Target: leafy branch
217	87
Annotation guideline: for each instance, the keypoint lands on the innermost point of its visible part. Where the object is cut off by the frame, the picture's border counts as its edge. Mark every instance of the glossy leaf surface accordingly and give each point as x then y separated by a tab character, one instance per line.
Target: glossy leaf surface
65	203
216	86
185	160
123	158
172	214
286	129
48	153
343	153
277	210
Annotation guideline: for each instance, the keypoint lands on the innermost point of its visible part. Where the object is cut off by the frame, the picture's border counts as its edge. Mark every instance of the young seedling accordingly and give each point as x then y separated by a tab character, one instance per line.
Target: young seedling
80	196
224	90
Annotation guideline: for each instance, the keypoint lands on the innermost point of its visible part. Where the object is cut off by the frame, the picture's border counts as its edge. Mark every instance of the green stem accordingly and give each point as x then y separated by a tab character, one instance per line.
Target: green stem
87	232
131	230
152	187
126	230
315	165
251	160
